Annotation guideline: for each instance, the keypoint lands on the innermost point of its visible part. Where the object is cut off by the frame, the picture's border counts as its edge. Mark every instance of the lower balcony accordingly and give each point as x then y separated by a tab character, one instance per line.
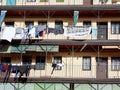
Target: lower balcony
67	74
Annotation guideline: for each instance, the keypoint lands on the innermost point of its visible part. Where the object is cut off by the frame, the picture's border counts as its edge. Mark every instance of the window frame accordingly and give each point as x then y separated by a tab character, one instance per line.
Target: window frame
59	25
42	23
27	23
115	27
28	59
87	23
86	65
40	62
115	63
6	60
9	24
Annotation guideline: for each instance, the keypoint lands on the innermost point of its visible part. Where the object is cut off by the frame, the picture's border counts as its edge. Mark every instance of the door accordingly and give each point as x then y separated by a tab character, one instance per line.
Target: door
87	2
102	30
101	68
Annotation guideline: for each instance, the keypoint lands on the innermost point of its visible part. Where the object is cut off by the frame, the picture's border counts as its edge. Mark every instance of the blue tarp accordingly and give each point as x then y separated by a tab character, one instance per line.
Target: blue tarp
76	16
11	2
94	32
2	16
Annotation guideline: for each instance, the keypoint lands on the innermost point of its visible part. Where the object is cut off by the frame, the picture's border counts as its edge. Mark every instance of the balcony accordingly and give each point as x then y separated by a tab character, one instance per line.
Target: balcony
68	73
55	34
62	2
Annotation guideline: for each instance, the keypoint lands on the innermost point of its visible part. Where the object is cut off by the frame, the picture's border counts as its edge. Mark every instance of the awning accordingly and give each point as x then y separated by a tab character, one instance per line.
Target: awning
18	48
24	48
47	48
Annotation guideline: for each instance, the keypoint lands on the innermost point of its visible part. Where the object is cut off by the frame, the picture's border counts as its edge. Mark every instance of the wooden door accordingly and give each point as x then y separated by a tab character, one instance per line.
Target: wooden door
101	68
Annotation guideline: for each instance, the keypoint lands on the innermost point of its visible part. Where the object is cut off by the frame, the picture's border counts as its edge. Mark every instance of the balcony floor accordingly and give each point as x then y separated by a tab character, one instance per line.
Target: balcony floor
62	80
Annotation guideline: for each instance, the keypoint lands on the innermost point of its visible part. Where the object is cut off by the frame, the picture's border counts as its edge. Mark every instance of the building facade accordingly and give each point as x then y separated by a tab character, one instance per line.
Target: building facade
57	60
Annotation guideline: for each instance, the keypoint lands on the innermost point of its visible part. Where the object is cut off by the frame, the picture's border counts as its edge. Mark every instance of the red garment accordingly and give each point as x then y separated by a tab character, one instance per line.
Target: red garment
5	67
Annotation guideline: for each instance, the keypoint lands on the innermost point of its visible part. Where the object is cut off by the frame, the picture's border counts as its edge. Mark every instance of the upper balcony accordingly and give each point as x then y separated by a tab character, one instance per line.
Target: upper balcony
15	13
59	2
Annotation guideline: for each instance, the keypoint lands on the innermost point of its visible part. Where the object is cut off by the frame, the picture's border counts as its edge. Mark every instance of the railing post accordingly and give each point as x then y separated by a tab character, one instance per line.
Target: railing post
71	86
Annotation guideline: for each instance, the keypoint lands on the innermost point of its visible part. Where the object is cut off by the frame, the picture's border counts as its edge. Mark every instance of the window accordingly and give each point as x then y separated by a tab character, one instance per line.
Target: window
42	23
86	63
115	63
26	60
59	0
59	24
9	23
31	0
59	27
43	0
29	23
115	27
58	60
6	60
87	23
40	62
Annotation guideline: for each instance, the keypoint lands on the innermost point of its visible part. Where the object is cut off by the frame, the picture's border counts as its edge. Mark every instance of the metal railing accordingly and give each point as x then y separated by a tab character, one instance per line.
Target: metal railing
67	71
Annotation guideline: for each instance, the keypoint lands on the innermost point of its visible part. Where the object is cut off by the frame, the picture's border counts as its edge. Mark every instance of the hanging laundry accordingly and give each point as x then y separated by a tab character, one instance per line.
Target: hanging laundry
55	31
5	67
60	65
19	33
32	33
76	15
41	27
24	70
8	33
94	32
8	69
44	33
2	16
1	67
30	27
54	65
15	68
39	30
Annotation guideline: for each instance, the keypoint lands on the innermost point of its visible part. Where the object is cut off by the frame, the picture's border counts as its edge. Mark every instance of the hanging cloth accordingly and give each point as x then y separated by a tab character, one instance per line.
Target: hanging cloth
76	15
2	16
11	2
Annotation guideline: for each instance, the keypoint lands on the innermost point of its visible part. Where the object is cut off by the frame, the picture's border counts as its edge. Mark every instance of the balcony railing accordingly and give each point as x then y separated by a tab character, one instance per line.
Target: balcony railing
62	2
67	71
62	36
